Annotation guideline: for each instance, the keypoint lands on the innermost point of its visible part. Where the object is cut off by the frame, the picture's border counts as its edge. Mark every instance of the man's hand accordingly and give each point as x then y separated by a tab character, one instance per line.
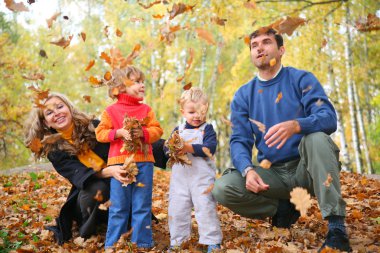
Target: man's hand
254	182
281	132
123	133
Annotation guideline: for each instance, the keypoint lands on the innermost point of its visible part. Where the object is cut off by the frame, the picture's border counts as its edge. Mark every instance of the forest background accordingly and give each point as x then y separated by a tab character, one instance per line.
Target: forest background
199	42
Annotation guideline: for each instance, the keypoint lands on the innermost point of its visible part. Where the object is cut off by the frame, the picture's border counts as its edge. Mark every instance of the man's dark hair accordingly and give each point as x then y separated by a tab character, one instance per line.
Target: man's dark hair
267	31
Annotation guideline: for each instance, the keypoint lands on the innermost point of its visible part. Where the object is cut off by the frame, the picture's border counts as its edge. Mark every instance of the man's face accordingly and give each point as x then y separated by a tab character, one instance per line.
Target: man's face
265	52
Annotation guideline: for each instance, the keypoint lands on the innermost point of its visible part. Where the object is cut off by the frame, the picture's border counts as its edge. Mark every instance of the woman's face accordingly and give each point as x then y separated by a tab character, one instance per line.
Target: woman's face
57	114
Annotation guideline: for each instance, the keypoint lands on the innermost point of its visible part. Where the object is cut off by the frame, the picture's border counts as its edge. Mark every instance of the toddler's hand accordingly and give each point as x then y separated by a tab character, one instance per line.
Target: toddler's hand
123	133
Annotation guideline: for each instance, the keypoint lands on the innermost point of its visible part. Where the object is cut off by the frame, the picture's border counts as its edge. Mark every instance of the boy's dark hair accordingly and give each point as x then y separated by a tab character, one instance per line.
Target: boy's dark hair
267	31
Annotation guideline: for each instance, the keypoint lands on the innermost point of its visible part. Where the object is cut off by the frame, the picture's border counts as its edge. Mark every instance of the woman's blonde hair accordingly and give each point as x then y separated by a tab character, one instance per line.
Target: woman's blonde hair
120	77
194	94
83	133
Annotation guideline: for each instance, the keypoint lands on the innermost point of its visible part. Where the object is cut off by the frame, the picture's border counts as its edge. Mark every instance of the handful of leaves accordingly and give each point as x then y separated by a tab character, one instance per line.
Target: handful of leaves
175	144
133	144
131	170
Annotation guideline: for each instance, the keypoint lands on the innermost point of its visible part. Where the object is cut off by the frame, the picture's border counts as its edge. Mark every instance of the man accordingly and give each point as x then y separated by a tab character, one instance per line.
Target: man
286	114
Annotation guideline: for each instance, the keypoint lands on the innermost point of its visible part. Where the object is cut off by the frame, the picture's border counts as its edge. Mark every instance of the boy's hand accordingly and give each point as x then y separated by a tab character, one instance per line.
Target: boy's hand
123	133
137	133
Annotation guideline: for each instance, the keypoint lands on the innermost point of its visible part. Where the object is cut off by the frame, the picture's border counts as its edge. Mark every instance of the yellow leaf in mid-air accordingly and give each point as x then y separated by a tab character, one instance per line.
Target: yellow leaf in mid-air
265	164
90	65
279	97
272	62
139	184
301	199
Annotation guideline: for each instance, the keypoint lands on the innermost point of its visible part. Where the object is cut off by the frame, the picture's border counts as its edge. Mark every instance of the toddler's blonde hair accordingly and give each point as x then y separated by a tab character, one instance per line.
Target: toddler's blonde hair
194	94
119	77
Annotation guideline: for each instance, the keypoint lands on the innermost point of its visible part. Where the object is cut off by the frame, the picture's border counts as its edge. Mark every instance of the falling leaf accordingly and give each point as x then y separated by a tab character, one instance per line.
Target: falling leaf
179	79
15	7
94	81
83	35
307	89
279	97
135	52
35	145
119	33
220	68
247	40
179	9
34	77
66	17
98	196
105	57
209	189
250	5
52	19
31	1
371	23
260	125
62	42
218	21
149	5
43	54
106	31
51	138
319	102
265	164
206	35
104	206
87	98
287	25
107	76
158	16
324	43
190	59
135	19
328	181
260	91
188	86
139	184
272	62
301	199
90	64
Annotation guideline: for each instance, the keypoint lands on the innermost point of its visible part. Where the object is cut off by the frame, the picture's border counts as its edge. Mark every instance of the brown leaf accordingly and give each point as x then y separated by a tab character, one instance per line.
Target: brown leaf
83	36
35	145
90	64
34	77
43	54
209	189
87	98
287	25
118	33
136	19
51	138
52	19
328	181
62	42
179	9
15	7
301	199
149	5
106	31
260	125
218	21
190	59
371	23
206	35
250	5
266	164
188	86
279	97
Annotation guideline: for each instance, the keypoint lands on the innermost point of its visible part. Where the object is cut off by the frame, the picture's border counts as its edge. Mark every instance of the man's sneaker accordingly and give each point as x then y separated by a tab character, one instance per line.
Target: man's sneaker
213	247
336	239
286	214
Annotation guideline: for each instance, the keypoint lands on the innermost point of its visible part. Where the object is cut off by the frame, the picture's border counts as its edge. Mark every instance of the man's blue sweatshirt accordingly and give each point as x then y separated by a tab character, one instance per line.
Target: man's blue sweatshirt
292	95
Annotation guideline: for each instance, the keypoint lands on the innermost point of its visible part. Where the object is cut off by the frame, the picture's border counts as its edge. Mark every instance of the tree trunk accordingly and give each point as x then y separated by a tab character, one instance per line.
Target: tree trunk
214	76
203	67
350	93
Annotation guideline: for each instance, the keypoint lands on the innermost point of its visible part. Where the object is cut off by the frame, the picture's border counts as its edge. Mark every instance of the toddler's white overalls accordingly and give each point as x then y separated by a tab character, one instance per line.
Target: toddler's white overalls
188	189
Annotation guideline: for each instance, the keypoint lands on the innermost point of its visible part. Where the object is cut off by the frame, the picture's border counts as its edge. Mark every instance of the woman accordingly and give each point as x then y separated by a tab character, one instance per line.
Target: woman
70	144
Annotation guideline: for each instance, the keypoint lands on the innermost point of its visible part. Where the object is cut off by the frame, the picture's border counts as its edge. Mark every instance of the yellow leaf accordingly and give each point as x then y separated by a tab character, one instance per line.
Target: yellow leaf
301	199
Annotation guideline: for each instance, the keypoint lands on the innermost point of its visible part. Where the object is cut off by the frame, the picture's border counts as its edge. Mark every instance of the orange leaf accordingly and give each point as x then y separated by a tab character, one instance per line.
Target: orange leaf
219	21
105	57
279	97
35	145
139	184
90	64
98	196
179	9
179	79
247	40
287	25
25	207
83	35
209	189
128	82
265	164
158	16
87	98
187	86
206	35
107	76
272	62
62	42
94	81
301	199
52	19
119	33
356	214
15	7
220	68
190	60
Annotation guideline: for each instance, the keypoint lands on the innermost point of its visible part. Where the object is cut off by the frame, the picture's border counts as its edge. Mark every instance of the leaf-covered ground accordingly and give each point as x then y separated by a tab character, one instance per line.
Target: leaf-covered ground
31	200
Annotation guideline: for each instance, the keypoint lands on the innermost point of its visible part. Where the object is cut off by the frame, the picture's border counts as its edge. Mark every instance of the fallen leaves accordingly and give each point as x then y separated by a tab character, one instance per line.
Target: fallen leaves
175	144
63	42
301	199
131	170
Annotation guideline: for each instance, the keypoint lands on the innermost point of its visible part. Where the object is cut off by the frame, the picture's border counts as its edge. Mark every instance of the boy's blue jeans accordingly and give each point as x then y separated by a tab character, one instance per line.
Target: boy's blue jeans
135	201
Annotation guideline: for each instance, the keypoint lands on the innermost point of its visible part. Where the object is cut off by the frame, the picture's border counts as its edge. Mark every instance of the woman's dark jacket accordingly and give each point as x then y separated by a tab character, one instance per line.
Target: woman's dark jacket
79	175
